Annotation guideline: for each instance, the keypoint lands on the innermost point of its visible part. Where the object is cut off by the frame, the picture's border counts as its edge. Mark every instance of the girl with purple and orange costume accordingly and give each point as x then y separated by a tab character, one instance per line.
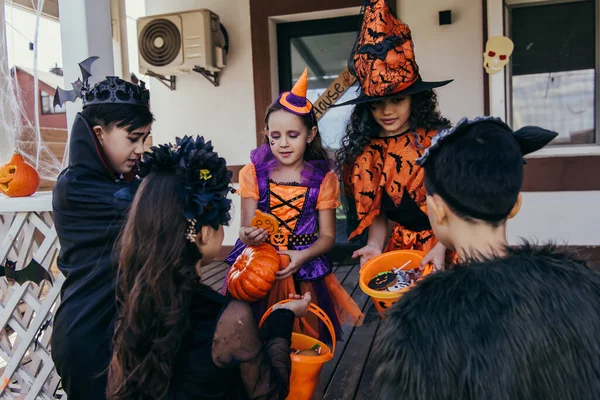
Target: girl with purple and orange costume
292	178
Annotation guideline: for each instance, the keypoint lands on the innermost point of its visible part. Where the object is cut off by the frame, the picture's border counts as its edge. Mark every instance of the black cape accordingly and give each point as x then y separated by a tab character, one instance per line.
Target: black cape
90	204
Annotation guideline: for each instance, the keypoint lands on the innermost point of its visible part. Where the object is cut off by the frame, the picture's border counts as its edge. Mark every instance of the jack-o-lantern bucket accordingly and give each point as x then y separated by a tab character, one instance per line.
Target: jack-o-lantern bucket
398	259
307	369
18	178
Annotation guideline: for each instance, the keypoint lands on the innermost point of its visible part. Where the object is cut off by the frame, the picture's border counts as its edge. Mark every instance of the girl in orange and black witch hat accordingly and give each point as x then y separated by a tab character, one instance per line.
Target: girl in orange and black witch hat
393	121
292	178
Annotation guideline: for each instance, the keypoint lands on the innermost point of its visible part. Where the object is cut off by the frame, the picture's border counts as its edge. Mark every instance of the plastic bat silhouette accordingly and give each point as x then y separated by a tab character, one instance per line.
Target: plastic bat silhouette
62	96
33	272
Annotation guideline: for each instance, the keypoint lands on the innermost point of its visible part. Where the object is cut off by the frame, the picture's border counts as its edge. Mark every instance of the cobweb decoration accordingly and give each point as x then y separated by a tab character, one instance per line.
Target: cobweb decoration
22	134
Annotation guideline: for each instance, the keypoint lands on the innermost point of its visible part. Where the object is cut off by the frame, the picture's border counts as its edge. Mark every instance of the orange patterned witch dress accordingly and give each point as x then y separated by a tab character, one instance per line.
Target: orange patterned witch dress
385	178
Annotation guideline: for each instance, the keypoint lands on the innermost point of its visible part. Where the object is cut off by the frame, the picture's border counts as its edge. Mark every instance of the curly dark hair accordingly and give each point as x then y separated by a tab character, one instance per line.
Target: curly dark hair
362	127
314	150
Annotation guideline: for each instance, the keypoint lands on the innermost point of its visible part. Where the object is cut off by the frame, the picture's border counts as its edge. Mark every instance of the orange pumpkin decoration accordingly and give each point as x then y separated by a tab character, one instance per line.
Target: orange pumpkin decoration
265	221
253	273
18	178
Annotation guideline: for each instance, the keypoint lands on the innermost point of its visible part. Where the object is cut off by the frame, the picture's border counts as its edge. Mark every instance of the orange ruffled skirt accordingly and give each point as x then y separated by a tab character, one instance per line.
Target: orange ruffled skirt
326	293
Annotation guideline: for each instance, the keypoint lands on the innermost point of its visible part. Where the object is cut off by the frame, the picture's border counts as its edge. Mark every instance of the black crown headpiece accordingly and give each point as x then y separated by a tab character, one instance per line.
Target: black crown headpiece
112	90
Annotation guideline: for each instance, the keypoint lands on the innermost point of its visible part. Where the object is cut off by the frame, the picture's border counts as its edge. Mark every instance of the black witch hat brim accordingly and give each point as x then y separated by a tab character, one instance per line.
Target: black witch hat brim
419	86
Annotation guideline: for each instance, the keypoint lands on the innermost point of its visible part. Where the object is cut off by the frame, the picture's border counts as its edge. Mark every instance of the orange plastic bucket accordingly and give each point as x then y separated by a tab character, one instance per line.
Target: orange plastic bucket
307	369
383	300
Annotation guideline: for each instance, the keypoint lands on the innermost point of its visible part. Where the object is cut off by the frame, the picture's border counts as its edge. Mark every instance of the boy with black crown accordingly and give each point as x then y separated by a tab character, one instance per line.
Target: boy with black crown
507	322
90	202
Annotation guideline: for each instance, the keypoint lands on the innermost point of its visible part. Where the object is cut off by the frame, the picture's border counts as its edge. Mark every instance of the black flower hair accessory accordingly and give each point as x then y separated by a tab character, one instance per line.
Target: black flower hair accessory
530	138
204	180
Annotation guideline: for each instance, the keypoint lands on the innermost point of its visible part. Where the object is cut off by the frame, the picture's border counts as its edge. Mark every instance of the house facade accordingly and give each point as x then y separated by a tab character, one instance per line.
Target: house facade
551	79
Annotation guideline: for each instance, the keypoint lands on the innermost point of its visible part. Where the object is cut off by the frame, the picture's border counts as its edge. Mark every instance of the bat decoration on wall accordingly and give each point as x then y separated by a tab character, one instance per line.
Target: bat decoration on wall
33	272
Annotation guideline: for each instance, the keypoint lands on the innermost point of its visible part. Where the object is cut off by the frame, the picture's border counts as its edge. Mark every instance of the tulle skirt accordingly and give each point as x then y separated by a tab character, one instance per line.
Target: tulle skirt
327	293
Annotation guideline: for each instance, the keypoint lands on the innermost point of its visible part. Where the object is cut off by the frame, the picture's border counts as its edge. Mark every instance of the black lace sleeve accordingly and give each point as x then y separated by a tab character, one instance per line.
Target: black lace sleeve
263	356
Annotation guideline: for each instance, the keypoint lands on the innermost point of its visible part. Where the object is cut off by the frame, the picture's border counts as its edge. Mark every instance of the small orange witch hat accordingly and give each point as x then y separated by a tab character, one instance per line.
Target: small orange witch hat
296	101
383	58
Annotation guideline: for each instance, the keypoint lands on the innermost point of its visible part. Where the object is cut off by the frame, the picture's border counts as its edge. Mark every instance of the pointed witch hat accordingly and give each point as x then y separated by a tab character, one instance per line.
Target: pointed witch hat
296	101
383	59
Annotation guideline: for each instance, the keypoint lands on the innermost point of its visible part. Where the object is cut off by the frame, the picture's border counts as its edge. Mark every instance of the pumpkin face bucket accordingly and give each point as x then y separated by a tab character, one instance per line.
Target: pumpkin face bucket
18	178
253	273
279	239
384	300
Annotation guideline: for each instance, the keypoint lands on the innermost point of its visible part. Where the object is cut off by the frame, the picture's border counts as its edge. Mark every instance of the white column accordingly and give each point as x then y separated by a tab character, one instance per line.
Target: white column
119	33
5	112
85	27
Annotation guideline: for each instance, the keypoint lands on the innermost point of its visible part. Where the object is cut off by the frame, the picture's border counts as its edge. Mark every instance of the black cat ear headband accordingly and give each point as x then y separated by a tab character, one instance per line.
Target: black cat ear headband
529	138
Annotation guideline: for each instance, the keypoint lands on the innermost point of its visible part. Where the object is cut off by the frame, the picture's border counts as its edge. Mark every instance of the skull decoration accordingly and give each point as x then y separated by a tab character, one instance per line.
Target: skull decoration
497	52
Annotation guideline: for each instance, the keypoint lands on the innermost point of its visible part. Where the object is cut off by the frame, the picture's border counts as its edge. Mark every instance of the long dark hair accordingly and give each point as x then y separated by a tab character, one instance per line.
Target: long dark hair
315	149
155	282
362	127
128	116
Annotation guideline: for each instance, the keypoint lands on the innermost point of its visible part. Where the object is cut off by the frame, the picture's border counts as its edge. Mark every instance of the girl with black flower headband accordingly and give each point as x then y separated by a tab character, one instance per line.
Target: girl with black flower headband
175	338
292	178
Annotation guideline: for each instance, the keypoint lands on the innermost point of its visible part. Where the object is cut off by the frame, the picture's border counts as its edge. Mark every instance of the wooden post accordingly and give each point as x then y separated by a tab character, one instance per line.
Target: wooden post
5	86
84	27
119	36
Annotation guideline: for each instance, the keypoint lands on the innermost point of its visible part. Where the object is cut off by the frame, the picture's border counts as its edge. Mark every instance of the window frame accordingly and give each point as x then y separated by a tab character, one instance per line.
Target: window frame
51	110
565	148
45	109
291	30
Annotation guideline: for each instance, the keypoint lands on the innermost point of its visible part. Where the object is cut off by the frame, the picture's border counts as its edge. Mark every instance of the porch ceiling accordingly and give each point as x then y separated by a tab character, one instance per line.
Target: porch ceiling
50	9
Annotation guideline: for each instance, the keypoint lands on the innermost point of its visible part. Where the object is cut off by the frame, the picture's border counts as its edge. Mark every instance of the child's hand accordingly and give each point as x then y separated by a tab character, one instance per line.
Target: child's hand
298	305
297	258
366	253
253	236
436	256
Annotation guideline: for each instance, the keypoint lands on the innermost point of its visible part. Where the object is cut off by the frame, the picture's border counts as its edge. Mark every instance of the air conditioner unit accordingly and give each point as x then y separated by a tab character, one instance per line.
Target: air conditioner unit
178	43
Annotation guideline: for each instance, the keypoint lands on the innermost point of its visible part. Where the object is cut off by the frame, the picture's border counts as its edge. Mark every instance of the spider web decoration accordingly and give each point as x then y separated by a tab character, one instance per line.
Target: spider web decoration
18	131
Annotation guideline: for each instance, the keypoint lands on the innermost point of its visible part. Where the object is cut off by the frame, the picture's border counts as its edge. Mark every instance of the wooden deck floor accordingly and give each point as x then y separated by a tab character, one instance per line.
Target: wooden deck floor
348	376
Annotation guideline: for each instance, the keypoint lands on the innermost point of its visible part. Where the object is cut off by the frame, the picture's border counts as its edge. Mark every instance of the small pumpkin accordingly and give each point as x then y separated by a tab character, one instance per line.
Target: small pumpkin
252	275
265	221
18	178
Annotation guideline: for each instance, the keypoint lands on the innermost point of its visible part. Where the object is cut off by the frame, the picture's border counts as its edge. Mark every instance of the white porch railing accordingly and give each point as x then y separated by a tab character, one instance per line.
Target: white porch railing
26	233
